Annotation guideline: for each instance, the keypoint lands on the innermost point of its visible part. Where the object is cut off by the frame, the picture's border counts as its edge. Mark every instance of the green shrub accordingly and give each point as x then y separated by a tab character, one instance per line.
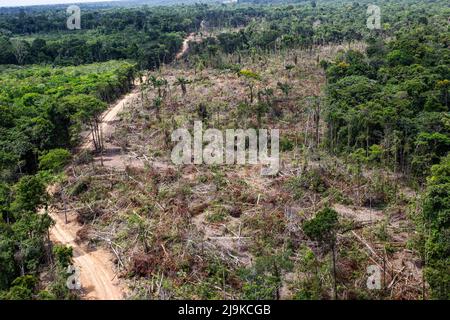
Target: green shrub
22	288
323	226
63	254
286	144
54	160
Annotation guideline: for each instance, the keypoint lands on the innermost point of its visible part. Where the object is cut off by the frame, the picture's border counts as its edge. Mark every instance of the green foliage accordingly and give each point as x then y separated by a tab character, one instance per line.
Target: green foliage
63	255
218	276
45	295
58	288
263	281
375	153
22	288
292	25
436	218
390	106
150	36
310	286
387	106
48	107
249	74
309	180
218	215
8	268
430	147
349	63
262	287
286	144
323	226
79	187
54	160
30	193
23	234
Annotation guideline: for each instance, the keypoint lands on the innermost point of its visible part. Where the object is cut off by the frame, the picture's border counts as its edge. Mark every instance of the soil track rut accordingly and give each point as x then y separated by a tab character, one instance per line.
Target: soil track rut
185	47
96	270
96	274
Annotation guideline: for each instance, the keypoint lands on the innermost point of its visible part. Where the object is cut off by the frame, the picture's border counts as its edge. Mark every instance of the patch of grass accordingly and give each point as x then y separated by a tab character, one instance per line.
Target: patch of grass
218	215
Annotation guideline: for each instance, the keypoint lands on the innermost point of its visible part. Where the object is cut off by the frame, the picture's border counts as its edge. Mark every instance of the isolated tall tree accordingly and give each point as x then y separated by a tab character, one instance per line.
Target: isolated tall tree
183	82
89	112
20	50
315	109
158	84
323	228
251	78
157	102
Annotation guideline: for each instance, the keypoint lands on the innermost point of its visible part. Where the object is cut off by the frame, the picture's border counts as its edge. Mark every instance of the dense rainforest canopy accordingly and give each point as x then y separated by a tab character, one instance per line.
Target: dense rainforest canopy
392	104
41	108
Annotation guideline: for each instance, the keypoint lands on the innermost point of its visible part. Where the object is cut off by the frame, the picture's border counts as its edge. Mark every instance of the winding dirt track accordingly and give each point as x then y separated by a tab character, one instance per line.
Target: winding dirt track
97	277
96	269
185	46
109	116
96	273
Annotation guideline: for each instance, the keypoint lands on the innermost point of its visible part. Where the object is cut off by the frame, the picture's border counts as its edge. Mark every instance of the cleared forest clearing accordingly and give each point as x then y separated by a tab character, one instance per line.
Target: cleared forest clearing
206	232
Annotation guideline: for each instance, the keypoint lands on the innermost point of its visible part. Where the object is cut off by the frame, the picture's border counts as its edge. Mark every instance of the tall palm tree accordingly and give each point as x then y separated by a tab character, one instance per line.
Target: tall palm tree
158	83
183	82
157	102
251	77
